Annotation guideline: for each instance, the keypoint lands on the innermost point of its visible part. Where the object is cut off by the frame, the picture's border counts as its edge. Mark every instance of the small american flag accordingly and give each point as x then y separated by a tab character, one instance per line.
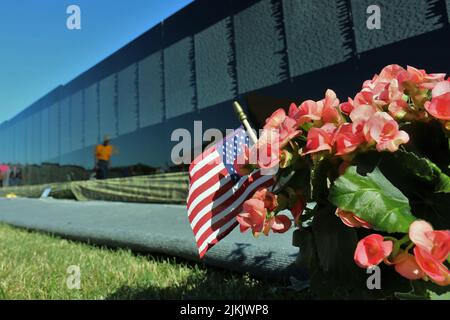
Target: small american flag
217	191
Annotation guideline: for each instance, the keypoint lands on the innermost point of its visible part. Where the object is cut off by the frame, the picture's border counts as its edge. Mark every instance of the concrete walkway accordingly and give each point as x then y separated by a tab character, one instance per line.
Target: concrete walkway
151	228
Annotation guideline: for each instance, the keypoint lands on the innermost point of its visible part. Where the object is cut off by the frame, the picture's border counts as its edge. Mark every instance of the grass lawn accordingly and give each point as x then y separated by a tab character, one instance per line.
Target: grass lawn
34	266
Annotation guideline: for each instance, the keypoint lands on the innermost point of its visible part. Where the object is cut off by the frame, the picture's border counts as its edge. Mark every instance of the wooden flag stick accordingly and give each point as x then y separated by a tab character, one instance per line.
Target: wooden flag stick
243	118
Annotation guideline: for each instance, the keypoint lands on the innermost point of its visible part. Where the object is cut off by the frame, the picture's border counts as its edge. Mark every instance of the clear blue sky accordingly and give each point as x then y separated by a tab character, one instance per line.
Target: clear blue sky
38	52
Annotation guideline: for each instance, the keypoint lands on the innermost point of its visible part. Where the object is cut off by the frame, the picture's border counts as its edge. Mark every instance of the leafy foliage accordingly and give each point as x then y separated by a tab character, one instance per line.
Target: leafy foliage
374	199
424	169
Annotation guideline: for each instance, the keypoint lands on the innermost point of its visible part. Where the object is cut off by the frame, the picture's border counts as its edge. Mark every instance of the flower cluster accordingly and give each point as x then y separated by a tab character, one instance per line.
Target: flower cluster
430	249
259	214
295	140
368	121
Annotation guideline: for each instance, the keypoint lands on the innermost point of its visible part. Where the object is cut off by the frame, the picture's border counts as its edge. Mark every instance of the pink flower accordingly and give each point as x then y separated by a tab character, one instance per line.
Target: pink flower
371	250
326	110
308	111
265	153
420	78
348	138
406	265
441	88
270	199
436	243
330	108
389	73
383	130
253	216
433	268
285	125
383	89
276	119
332	115
320	139
267	150
351	220
347	107
398	109
278	224
367	97
439	106
362	114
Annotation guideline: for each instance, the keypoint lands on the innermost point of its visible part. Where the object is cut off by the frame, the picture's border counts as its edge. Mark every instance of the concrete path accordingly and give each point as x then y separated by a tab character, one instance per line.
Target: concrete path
151	228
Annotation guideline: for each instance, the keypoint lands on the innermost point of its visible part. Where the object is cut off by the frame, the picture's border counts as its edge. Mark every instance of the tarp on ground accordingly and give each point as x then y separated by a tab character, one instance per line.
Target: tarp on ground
159	188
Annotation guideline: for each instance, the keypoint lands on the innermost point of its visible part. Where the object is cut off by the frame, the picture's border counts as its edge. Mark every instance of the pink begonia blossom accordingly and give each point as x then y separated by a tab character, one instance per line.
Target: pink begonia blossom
371	250
270	199
406	265
308	111
347	107
351	220
434	269
278	224
383	130
362	114
285	125
436	243
420	78
347	138
439	106
330	108
432	249
253	216
320	139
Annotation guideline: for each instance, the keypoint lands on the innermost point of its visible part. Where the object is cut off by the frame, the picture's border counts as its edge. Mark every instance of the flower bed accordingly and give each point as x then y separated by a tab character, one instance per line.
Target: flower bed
376	168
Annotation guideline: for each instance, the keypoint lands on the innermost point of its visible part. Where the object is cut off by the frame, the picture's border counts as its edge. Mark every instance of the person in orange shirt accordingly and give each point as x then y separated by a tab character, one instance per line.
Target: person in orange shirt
103	154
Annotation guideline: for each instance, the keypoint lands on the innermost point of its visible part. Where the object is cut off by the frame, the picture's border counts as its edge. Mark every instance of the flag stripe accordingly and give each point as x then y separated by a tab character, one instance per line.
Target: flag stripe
220	178
219	234
218	238
198	164
206	169
217	223
231	200
208	196
212	173
222	201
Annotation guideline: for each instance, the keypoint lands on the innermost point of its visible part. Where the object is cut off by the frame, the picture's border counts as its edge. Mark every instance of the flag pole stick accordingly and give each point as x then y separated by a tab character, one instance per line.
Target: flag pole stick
243	118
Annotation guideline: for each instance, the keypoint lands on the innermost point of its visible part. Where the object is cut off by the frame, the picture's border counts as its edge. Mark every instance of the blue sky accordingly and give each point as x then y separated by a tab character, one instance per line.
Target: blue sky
38	52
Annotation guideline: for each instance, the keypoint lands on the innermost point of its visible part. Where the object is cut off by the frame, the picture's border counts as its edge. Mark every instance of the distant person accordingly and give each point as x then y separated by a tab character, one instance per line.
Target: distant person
103	154
15	176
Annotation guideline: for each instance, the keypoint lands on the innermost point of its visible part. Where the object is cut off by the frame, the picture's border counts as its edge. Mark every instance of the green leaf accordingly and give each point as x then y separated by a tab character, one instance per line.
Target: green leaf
435	296
424	169
374	199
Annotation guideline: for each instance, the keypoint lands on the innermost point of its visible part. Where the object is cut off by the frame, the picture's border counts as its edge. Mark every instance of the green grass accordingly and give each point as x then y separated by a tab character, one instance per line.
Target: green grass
34	266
